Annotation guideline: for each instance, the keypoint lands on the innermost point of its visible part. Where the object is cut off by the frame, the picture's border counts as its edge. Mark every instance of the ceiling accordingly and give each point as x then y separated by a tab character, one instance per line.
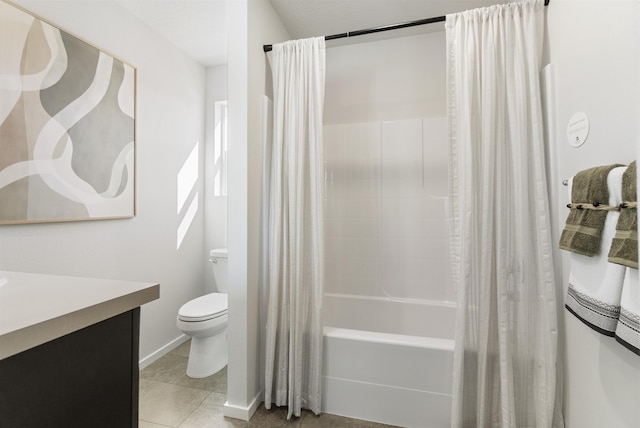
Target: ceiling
199	28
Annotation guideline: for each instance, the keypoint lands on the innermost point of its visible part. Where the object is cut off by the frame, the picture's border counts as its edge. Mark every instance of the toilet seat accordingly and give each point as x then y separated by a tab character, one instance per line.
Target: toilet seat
203	308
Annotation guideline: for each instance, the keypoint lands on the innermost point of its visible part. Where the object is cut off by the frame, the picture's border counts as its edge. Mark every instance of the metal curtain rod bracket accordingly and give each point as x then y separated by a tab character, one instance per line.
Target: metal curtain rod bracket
269	48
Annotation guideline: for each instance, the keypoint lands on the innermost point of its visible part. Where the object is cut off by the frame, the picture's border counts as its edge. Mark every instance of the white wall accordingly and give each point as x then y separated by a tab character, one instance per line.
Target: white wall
591	46
251	25
169	123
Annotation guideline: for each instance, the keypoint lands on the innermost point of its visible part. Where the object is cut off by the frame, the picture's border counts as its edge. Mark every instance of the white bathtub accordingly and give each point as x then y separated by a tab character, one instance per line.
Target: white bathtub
388	361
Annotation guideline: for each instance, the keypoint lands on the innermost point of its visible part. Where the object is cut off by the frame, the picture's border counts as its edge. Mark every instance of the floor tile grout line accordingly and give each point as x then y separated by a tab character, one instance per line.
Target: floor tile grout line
155	423
184	386
187	416
193	411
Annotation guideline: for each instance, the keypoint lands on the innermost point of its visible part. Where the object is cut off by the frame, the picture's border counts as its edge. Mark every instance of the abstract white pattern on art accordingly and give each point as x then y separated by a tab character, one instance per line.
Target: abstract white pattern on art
66	125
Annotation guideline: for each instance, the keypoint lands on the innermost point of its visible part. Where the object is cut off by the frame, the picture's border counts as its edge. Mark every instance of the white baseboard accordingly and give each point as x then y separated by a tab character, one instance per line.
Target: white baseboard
242	412
162	351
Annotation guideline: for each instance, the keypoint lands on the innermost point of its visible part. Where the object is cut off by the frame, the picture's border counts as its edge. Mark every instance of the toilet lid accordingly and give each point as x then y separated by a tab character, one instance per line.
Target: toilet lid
205	307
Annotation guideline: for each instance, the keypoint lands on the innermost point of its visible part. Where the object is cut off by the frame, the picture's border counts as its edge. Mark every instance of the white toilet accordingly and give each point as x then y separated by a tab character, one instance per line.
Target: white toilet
205	320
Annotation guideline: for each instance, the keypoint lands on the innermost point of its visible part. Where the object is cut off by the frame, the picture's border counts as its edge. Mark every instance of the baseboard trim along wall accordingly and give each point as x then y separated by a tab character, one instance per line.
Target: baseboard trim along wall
240	412
144	362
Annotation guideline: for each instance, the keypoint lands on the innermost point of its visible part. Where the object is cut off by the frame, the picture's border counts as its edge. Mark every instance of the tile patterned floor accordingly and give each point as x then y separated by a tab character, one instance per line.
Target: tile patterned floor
169	398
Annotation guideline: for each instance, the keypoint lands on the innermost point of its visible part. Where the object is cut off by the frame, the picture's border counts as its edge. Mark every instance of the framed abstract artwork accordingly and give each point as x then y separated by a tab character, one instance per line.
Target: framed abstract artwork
67	125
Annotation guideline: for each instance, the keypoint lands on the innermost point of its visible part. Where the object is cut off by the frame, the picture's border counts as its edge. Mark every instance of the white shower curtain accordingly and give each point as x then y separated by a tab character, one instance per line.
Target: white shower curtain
506	332
293	367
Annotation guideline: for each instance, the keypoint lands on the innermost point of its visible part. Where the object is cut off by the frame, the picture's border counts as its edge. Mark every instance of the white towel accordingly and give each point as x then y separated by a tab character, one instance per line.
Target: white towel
595	285
628	330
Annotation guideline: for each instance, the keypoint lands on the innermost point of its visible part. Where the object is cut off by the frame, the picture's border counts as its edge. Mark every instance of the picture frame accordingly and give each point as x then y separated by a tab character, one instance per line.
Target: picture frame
67	125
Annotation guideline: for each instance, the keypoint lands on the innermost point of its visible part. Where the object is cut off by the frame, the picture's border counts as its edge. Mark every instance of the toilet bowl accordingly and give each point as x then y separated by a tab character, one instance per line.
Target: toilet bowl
205	319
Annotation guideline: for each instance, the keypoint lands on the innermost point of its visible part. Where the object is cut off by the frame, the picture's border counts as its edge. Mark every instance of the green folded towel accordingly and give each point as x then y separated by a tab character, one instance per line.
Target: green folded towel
624	247
583	229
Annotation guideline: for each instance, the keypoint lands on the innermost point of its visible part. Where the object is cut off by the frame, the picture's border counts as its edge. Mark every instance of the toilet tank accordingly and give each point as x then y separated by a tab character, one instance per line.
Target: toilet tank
218	259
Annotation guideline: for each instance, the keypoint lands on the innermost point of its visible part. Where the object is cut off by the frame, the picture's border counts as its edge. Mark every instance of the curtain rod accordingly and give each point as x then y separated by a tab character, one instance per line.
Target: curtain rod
268	48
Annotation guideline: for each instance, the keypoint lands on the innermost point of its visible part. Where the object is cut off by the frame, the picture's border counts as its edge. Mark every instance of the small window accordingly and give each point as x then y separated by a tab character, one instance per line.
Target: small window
220	150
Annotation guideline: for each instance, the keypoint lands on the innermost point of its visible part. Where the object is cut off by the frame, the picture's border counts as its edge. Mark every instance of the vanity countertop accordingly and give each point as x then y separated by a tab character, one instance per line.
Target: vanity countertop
37	308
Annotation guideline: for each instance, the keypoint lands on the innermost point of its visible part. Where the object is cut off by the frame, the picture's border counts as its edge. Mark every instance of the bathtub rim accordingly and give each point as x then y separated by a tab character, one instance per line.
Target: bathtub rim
426	302
397	320
390	338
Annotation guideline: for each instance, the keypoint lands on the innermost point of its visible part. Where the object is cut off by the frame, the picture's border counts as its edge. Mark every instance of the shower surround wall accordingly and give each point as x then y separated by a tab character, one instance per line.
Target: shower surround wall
386	228
388	346
386	168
